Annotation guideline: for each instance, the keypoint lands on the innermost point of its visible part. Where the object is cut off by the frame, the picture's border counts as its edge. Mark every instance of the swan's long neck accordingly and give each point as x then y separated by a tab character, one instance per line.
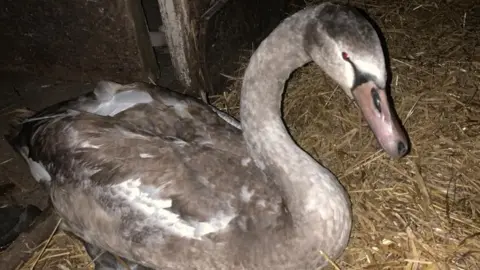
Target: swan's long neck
318	204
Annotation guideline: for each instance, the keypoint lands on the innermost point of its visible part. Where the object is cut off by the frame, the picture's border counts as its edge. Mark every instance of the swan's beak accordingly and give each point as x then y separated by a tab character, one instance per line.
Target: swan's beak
382	119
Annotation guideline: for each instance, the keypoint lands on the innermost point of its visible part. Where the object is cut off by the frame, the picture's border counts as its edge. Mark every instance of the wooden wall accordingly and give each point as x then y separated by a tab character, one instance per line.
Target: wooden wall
76	39
207	38
94	40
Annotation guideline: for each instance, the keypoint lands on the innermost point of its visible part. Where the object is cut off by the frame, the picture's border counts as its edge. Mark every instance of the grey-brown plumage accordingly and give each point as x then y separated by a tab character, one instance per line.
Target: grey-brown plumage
163	180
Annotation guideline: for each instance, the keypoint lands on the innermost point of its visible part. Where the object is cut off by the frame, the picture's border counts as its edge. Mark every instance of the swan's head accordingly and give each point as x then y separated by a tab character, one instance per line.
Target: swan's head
345	44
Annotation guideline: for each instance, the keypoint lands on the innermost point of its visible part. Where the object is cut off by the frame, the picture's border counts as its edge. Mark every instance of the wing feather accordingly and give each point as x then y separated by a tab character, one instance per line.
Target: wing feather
154	157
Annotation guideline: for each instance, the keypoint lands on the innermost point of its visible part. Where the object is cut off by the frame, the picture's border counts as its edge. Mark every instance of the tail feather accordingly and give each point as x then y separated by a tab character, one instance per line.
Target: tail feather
17	119
23	125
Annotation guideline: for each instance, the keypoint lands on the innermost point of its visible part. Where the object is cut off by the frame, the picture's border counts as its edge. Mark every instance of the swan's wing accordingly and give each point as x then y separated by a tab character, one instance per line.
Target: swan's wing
174	187
158	155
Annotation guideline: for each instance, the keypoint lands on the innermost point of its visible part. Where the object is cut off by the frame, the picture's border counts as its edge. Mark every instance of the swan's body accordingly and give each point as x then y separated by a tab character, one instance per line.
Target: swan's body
163	180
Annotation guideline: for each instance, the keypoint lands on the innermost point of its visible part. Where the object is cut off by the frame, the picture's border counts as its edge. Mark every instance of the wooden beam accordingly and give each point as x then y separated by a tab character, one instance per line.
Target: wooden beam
77	40
176	20
145	49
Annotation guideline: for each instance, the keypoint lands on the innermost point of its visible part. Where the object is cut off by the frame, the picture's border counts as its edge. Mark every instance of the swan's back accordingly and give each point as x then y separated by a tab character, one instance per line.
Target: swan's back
137	169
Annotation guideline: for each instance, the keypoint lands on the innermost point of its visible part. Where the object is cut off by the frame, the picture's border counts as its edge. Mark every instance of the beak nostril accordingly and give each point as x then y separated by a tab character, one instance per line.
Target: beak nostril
402	148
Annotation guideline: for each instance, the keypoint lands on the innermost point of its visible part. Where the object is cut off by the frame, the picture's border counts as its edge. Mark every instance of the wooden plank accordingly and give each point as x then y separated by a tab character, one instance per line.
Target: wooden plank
144	46
19	251
76	40
176	21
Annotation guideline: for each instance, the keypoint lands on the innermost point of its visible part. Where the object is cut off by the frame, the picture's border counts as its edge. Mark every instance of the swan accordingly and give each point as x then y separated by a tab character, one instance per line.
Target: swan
166	181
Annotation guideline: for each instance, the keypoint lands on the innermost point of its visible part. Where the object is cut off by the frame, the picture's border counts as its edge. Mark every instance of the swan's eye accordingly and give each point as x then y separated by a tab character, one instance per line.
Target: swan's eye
376	99
345	56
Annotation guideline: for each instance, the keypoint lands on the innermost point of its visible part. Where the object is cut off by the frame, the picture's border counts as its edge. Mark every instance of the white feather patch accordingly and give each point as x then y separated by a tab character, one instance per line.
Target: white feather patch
180	107
172	223
246	195
38	171
146	155
141	199
246	161
119	102
131	191
261	204
219	222
87	144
